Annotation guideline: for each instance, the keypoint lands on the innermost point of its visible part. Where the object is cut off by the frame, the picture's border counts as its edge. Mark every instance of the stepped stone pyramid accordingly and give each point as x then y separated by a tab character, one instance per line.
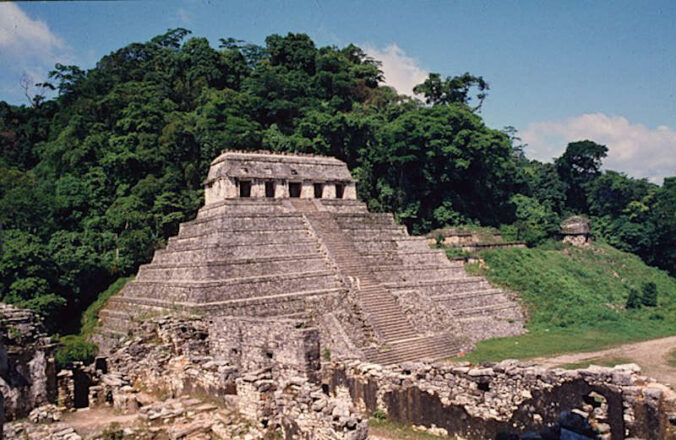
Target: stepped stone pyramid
284	236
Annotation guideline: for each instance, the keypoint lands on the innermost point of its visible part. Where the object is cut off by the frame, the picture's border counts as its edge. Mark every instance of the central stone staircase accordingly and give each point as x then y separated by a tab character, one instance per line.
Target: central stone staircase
397	340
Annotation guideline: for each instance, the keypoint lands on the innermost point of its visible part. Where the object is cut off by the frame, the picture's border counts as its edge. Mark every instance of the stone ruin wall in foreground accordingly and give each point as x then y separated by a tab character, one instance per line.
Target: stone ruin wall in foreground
275	376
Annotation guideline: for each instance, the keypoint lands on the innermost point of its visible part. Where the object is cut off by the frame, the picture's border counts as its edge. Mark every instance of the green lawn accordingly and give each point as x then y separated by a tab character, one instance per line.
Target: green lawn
575	300
602	361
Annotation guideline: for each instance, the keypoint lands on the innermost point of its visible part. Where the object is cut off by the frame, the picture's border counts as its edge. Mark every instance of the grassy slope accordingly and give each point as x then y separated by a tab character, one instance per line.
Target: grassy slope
575	300
79	347
90	317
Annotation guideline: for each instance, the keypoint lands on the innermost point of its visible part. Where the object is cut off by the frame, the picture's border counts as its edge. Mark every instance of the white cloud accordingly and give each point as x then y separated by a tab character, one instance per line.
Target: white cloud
634	149
185	17
401	71
19	34
27	48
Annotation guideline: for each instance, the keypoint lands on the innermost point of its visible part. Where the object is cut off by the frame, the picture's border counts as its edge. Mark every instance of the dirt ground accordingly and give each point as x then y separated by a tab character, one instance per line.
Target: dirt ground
91	421
652	356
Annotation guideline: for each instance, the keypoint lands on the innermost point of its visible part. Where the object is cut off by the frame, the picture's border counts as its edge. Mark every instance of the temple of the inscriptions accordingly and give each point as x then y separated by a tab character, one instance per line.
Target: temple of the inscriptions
283	239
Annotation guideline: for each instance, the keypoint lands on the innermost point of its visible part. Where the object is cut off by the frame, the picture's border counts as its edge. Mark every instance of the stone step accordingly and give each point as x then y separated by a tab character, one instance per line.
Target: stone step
395	333
392	336
435	347
376	299
391	321
383	312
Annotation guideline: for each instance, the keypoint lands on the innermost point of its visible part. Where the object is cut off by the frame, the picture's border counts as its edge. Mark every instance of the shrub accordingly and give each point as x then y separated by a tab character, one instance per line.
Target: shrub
74	348
633	300
113	432
439	240
649	297
379	415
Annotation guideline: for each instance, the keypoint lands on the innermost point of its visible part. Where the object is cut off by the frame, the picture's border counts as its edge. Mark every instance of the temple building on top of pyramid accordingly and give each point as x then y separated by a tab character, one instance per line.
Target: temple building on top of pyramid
243	175
282	240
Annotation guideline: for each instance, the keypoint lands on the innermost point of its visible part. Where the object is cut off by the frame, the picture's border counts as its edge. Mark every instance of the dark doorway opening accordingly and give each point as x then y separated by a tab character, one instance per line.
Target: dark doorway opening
269	189
294	189
81	385
319	190
340	189
245	188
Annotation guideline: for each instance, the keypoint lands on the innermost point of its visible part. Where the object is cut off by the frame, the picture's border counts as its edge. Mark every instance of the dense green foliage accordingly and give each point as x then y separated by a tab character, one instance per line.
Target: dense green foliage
575	299
74	348
93	181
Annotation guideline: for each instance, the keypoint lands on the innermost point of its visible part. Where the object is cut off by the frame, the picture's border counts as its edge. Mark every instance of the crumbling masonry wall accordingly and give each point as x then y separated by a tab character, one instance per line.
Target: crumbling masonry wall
177	357
287	346
505	398
27	368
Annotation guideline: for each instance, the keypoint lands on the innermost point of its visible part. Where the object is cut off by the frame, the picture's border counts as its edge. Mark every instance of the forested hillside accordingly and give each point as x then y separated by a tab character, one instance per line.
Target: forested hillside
92	181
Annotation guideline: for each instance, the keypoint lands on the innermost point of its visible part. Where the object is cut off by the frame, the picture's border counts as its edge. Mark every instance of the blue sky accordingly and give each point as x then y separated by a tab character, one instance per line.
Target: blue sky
558	71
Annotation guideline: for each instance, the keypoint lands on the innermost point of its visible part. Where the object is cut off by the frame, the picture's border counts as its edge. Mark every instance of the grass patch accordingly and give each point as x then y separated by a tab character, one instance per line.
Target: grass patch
454	252
601	361
390	430
90	317
575	300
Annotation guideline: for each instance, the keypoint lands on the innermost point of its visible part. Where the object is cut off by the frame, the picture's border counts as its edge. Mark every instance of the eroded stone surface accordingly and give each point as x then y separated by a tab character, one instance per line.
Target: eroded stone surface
27	368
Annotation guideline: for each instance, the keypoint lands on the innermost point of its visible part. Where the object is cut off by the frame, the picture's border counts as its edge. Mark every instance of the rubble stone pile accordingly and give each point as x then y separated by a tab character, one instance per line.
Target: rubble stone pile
43	423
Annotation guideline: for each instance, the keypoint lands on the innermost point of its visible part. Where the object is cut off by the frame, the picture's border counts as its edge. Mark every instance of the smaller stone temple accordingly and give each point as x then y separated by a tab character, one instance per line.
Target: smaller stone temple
575	230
